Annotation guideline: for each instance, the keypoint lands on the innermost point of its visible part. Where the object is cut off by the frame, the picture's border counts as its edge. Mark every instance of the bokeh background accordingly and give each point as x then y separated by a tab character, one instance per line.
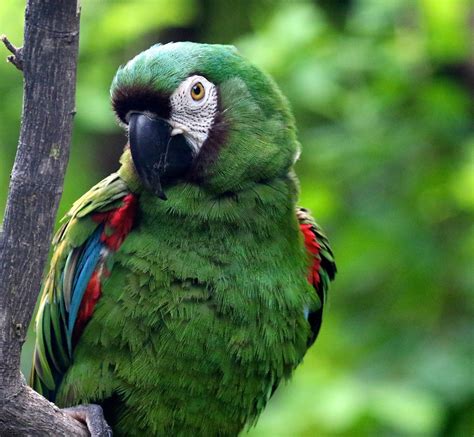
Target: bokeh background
382	91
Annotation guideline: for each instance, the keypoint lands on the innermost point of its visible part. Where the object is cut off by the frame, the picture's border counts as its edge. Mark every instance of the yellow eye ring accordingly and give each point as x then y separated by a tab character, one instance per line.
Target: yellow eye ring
197	91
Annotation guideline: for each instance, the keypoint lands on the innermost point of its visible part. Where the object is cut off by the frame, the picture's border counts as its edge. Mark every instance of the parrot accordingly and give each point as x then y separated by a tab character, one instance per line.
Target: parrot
186	286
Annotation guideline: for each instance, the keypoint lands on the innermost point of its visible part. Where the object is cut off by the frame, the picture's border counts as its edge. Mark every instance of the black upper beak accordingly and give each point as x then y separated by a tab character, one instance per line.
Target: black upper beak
156	154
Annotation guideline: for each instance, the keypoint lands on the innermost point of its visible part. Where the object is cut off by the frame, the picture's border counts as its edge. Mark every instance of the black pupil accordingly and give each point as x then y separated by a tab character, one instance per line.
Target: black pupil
197	89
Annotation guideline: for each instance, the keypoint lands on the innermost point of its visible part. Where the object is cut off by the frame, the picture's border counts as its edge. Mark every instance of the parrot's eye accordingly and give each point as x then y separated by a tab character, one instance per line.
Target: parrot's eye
197	91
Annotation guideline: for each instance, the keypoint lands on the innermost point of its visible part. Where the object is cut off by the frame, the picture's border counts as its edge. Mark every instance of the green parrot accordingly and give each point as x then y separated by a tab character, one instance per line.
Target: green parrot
187	285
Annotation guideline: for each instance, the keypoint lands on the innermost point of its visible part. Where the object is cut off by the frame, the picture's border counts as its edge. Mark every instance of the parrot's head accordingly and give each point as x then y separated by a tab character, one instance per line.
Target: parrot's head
203	114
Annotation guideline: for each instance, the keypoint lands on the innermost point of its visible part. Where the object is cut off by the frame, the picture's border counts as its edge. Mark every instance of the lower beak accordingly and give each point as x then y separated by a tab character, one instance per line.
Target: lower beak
157	155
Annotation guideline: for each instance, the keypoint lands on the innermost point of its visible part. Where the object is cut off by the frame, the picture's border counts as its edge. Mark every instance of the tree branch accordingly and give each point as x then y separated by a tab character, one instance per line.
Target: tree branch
48	61
17	57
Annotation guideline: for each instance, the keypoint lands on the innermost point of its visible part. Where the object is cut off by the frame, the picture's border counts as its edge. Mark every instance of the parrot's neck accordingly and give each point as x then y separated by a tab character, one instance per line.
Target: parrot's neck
258	207
261	208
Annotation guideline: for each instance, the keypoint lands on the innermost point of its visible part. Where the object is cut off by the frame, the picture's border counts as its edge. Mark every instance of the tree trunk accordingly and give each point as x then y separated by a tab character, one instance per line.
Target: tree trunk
48	60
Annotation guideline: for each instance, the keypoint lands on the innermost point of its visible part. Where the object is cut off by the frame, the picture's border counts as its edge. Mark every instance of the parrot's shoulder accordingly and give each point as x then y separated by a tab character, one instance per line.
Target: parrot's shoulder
92	230
323	266
102	197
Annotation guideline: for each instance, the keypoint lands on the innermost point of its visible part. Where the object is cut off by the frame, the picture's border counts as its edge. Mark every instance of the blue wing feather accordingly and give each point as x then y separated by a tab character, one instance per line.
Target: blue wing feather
86	266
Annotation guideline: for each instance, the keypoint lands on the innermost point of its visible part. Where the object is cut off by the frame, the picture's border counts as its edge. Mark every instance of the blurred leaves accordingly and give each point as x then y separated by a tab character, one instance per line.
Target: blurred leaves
382	93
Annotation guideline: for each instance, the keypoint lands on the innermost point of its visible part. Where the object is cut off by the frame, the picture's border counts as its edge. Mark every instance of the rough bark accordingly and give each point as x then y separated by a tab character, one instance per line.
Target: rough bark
48	60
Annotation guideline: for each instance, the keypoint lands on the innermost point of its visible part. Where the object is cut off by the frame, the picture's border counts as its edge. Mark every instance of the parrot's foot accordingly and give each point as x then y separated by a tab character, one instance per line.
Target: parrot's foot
93	416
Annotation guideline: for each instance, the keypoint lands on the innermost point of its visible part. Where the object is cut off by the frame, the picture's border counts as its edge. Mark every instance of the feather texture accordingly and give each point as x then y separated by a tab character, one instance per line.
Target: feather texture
90	233
322	268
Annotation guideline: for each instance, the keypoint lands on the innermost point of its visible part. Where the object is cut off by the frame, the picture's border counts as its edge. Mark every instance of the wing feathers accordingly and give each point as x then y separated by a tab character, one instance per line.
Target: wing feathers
85	268
68	275
322	269
95	226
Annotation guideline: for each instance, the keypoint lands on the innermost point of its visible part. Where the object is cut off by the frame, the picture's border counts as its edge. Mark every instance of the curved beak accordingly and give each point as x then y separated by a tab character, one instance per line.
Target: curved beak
158	153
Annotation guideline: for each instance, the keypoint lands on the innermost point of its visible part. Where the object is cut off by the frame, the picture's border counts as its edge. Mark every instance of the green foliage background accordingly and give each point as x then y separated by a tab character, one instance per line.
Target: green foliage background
382	92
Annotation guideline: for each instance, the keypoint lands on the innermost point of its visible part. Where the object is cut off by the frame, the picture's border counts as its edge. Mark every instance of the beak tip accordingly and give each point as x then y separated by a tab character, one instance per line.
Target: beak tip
161	195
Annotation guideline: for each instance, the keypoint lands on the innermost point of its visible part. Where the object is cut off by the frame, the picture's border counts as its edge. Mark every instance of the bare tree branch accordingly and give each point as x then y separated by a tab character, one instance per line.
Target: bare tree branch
17	57
48	61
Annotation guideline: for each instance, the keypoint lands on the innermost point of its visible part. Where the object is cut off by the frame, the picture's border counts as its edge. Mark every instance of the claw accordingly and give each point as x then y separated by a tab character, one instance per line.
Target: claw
93	416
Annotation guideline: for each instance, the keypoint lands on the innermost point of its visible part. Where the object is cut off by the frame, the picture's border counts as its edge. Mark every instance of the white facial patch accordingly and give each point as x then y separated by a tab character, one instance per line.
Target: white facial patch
193	109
